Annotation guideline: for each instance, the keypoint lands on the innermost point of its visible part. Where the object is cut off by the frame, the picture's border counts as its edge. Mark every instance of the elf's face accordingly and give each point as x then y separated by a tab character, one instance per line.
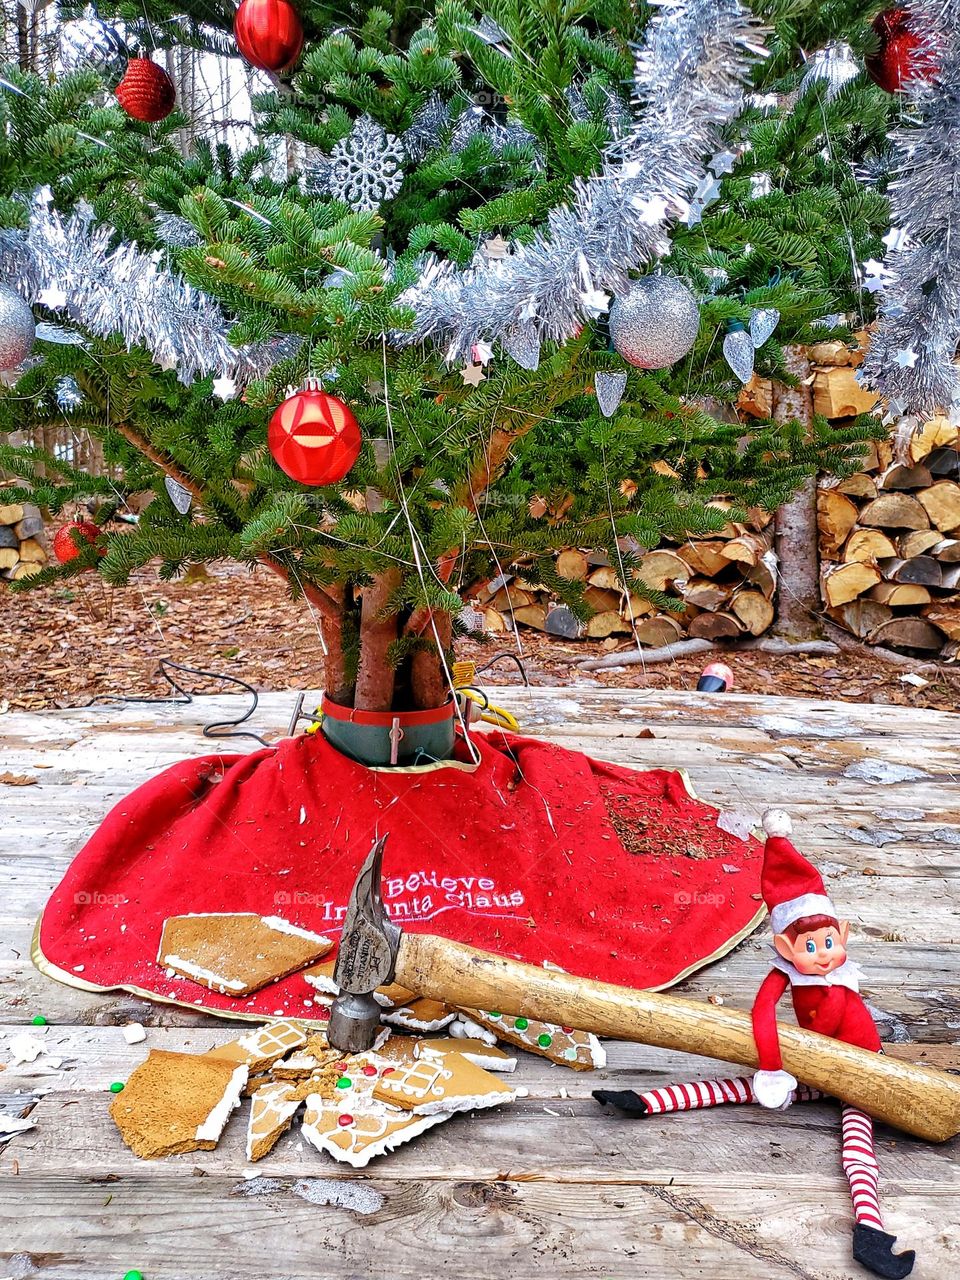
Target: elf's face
817	952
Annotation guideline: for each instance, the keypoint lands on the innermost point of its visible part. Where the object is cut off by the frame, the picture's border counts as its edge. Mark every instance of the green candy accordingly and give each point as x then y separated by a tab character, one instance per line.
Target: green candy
133	1275
344	1082
117	1087
522	1023
39	1020
544	1041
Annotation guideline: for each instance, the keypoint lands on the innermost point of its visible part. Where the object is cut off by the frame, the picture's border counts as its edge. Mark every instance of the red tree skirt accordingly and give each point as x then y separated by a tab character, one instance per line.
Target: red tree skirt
537	852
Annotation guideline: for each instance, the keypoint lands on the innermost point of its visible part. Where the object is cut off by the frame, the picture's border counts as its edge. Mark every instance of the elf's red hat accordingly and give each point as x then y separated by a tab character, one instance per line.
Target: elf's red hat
792	887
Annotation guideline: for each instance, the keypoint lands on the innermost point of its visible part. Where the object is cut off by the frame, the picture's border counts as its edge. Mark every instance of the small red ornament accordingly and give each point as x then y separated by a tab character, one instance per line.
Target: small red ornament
268	33
314	437
146	92
904	53
64	547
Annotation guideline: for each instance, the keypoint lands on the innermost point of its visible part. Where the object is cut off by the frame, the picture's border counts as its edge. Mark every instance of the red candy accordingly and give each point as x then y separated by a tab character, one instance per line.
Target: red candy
369	1070
344	1121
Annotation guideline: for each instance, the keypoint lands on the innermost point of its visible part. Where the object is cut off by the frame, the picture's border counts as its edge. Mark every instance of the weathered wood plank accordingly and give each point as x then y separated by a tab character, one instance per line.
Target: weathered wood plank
206	1228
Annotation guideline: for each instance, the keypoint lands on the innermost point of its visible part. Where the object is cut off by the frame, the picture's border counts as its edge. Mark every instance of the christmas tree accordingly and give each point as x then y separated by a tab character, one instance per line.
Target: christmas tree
483	262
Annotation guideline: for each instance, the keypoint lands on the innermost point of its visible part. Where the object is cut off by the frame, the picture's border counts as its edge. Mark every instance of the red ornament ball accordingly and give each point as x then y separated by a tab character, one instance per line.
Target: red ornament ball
146	92
314	437
904	53
268	33
64	547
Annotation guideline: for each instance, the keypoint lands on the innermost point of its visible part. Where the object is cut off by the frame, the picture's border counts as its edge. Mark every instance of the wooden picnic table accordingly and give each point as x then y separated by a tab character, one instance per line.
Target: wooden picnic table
550	1187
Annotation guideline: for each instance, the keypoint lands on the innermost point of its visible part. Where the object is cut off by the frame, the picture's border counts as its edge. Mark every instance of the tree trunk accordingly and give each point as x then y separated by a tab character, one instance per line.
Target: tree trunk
378	631
336	680
796	545
428	679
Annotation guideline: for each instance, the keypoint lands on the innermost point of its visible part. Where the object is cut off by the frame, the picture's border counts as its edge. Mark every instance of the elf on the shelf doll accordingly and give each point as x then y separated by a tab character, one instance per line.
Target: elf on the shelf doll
810	944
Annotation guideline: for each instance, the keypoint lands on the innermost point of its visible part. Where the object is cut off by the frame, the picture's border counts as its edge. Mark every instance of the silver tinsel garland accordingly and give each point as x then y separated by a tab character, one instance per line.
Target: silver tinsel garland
690	74
68	265
911	357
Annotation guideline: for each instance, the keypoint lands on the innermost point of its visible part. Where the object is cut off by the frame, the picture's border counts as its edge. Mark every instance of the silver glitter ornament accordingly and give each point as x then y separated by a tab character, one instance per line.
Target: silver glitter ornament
763	321
832	66
738	351
609	388
69	396
87	44
18	330
524	346
656	323
180	496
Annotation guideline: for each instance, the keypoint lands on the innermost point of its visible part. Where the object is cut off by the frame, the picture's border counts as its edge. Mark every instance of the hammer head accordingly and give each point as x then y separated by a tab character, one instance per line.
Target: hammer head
366	960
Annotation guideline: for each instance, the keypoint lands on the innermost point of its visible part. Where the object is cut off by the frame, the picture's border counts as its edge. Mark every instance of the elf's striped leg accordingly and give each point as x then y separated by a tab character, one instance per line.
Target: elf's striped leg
860	1166
690	1096
872	1246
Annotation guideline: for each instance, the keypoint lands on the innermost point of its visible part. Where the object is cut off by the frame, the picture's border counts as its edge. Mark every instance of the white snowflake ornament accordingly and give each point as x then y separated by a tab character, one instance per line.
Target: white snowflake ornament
365	166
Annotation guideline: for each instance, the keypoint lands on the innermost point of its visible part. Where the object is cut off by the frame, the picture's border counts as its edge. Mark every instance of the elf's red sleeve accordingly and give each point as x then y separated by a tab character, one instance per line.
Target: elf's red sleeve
765	1020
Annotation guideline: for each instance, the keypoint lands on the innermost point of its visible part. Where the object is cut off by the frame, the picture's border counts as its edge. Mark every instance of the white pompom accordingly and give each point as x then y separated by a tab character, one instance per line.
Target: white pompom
777	822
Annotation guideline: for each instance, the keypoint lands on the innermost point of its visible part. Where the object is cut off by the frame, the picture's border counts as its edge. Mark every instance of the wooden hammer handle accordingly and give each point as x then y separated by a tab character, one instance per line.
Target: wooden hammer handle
921	1100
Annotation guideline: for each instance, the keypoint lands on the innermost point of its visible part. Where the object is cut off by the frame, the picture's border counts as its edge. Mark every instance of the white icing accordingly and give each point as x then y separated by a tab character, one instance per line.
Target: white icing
464	1028
25	1048
190	970
212	1127
284	926
324	983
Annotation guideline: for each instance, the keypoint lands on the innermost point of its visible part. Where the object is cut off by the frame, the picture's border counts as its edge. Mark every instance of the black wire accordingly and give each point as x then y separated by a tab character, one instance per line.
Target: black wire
218	729
497	657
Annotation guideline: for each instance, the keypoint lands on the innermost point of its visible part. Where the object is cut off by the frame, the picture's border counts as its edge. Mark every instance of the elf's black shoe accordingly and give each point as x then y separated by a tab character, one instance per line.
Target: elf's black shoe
873	1249
625	1100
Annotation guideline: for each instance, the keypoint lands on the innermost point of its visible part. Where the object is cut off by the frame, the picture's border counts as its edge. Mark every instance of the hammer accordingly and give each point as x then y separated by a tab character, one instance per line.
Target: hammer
375	951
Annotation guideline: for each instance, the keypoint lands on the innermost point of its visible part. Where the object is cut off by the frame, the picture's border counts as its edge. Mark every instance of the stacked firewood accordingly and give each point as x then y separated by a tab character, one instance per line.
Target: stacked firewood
890	543
721	587
22	551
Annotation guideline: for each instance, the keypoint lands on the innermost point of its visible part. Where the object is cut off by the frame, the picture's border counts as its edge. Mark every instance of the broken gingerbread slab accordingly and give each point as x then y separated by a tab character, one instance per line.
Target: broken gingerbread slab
421	1015
481	1054
272	1108
314	1054
176	1102
580	1050
237	953
348	1123
441	1082
261	1048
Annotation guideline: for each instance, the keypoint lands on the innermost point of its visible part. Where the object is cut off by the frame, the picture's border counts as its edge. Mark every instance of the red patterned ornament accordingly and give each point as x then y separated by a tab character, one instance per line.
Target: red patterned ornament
268	33
904	53
64	547
314	437
146	92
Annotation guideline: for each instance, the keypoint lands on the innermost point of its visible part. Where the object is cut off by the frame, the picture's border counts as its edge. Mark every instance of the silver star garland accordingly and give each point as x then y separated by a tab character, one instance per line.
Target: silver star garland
690	73
119	290
919	279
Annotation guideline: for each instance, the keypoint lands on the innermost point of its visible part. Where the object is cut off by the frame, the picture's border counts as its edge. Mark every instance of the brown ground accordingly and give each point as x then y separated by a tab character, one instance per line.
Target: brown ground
64	648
